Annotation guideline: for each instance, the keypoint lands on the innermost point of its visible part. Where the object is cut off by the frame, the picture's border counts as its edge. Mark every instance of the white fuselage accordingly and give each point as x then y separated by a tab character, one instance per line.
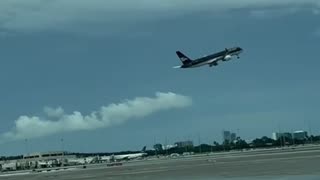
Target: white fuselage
129	156
210	61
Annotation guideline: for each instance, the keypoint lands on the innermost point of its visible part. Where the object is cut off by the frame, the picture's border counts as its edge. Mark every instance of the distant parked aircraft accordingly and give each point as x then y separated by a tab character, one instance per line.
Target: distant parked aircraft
131	156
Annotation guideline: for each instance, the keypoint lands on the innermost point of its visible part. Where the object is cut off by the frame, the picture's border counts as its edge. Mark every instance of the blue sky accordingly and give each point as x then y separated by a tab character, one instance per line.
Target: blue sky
85	56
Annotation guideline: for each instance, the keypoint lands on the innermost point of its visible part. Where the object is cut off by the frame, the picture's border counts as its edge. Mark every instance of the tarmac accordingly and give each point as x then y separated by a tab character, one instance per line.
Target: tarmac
270	164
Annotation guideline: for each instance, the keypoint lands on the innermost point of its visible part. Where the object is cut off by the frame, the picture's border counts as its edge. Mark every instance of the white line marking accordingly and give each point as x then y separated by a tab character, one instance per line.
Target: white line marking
14	174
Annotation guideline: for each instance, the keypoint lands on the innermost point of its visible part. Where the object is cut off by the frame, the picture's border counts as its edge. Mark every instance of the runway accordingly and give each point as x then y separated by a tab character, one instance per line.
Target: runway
278	164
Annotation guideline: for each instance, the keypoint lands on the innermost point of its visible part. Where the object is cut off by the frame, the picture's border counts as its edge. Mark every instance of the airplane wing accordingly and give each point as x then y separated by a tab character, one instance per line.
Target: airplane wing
214	60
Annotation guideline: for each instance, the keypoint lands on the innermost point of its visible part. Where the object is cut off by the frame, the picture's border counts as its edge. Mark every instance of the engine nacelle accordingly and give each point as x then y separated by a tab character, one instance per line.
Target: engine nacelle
227	57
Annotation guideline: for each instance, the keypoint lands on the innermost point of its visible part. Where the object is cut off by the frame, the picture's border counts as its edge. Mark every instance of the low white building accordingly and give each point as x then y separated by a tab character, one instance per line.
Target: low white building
46	159
9	166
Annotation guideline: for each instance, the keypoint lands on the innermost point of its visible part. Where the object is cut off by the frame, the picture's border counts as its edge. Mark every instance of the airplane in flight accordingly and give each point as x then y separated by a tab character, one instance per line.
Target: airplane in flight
211	60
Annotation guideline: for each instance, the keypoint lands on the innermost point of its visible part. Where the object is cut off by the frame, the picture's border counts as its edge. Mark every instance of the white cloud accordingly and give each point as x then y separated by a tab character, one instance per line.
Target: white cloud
73	15
274	12
317	32
3	34
106	116
316	11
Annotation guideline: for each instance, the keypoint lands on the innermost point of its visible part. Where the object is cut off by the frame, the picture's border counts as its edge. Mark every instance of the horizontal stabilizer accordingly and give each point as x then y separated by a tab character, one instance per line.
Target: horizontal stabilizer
176	67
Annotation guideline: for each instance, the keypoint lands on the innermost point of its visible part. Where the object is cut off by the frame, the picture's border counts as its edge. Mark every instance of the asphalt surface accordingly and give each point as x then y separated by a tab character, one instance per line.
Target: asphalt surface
275	164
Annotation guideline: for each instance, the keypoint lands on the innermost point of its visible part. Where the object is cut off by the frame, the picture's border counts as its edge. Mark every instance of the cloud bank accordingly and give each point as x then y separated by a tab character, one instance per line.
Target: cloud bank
317	32
73	15
57	121
274	12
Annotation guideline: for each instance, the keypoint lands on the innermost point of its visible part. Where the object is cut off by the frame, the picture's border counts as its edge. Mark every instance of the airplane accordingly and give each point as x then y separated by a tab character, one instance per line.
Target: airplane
211	60
130	156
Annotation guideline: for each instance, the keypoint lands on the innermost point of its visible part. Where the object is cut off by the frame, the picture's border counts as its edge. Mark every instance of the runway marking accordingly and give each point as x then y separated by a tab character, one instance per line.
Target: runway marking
14	174
56	170
140	172
275	159
34	173
161	169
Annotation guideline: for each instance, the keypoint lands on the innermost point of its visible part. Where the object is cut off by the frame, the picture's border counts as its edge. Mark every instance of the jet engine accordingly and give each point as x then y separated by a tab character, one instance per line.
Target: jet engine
227	57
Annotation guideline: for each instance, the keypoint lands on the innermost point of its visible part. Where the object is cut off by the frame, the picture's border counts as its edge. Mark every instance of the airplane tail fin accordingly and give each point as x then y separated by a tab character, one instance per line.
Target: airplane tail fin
184	59
144	149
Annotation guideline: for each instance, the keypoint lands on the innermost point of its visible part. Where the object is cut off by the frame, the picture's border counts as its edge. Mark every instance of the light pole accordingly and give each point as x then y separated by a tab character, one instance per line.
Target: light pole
62	145
27	149
200	151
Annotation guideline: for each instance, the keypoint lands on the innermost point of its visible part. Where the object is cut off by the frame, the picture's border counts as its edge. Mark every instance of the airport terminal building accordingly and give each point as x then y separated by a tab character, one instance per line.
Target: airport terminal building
300	135
37	160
